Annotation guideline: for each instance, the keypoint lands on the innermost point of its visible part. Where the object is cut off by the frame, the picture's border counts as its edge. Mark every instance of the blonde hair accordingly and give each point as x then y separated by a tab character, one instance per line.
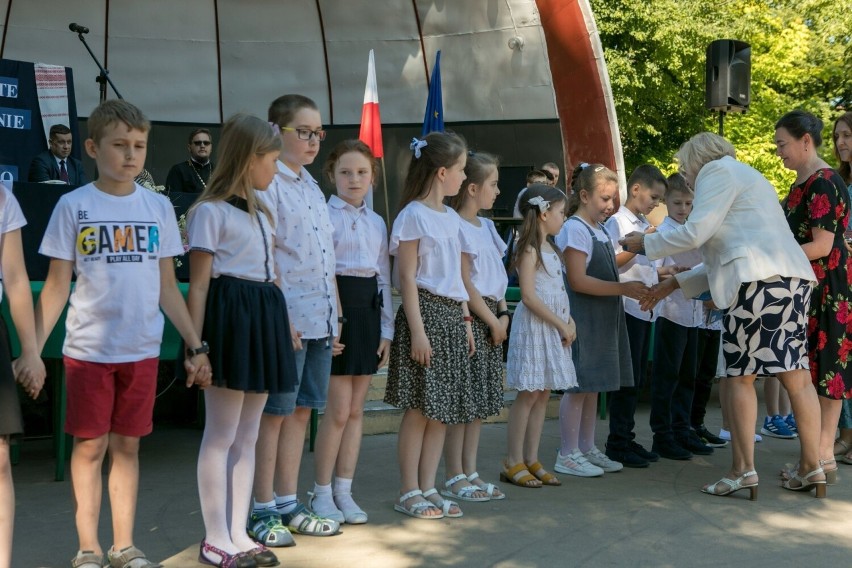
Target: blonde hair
702	149
243	137
112	111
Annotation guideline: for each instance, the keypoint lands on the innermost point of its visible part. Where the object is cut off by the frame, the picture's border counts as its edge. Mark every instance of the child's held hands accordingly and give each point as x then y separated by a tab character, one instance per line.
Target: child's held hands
30	373
568	332
384	352
198	371
421	349
336	347
499	330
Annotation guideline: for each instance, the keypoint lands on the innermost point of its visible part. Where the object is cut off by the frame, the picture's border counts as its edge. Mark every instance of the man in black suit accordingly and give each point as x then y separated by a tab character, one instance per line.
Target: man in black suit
57	162
192	175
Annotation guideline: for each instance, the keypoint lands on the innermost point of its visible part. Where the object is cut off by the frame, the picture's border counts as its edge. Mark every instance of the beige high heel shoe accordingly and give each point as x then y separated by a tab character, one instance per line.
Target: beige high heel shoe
731	486
805	483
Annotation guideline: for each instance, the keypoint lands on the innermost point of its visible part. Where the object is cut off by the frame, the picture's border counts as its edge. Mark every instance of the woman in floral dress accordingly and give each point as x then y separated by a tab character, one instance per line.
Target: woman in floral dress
817	210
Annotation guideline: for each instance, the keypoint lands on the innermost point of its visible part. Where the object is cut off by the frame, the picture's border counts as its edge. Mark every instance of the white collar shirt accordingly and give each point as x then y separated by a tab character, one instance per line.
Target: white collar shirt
676	307
304	252
361	250
639	268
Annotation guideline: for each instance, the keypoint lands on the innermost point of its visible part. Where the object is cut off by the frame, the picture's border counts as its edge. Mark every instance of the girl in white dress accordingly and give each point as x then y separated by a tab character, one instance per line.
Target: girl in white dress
539	345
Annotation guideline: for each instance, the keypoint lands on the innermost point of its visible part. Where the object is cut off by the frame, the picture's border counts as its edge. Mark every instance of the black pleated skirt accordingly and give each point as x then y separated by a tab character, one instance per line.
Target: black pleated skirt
362	307
11	421
247	327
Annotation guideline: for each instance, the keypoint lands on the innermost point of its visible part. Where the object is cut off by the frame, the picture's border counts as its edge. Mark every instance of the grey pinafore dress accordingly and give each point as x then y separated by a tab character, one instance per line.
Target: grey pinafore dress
601	350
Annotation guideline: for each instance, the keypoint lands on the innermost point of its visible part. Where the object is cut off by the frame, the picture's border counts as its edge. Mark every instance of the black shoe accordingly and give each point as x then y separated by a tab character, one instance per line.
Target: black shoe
670	450
642	452
693	443
709	438
627	457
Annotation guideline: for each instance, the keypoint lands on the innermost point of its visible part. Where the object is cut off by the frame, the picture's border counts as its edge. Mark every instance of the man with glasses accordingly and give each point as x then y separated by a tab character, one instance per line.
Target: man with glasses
192	175
57	162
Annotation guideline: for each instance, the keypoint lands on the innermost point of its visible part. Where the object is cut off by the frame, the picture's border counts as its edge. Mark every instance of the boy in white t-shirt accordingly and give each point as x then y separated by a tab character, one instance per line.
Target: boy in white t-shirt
119	239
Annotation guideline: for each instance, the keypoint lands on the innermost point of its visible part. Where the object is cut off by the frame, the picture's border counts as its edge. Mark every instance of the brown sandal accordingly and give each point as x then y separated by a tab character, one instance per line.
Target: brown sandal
520	476
543	475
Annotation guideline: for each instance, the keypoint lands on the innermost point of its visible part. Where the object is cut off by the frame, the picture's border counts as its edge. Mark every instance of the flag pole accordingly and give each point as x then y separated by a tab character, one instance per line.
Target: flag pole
385	189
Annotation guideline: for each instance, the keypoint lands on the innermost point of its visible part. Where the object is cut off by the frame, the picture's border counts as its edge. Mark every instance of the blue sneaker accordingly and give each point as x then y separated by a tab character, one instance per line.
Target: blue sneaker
790	420
776	427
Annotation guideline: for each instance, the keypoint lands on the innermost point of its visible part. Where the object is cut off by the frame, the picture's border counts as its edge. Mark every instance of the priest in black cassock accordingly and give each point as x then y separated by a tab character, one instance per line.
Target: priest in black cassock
192	175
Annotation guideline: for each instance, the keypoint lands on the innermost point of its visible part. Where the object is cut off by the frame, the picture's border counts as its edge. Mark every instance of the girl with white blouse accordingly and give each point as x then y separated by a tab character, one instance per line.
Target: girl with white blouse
485	280
429	373
234	300
363	282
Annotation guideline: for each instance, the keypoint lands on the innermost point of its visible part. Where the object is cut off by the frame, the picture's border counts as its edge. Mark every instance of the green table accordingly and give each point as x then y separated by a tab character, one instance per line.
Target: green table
169	350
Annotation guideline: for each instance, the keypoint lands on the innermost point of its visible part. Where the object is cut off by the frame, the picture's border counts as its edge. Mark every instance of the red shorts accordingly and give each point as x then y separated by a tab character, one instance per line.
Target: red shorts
110	397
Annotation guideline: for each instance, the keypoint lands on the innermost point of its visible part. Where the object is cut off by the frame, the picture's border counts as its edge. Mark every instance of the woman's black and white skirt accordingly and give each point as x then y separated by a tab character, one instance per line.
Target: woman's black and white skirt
361	301
766	330
247	327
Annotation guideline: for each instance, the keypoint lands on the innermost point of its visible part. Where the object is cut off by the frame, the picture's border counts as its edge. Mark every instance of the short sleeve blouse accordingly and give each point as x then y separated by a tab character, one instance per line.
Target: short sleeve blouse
441	243
241	244
577	237
487	274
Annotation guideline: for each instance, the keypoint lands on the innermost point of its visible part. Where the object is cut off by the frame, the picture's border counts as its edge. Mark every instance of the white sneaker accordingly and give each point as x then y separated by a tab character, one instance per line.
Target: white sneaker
726	435
575	464
598	458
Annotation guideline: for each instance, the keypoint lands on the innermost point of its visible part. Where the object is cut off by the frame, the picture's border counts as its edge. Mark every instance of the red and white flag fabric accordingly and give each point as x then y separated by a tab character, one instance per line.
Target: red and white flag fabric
371	119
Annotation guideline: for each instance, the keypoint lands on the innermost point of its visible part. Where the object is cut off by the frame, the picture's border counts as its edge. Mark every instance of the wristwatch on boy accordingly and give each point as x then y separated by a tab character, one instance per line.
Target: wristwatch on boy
190	353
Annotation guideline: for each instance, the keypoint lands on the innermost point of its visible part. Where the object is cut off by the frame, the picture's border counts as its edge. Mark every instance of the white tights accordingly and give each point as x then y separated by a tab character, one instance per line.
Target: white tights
226	465
577	416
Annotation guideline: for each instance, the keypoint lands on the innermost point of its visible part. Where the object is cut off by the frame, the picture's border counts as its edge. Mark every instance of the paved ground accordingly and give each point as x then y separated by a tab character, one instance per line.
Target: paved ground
653	517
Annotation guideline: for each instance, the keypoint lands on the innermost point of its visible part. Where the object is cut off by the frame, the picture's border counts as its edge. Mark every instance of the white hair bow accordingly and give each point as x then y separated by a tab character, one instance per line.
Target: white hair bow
276	130
415	146
540	202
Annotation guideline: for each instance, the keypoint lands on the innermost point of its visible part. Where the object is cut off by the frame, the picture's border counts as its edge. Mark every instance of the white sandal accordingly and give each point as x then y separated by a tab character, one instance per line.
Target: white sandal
489	488
418	509
466	492
731	486
445	504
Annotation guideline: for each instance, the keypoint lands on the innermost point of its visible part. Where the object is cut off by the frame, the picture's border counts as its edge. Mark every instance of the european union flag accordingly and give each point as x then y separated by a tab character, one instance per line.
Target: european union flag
434	119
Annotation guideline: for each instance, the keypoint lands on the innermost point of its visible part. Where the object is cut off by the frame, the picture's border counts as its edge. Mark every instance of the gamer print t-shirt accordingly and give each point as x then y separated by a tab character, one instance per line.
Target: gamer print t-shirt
115	243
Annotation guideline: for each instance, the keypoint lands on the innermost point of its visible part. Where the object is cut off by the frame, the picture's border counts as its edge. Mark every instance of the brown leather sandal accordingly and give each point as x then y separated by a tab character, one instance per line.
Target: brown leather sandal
520	476
542	474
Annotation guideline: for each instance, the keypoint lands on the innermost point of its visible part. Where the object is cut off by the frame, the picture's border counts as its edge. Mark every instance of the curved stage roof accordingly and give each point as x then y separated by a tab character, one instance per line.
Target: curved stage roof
199	61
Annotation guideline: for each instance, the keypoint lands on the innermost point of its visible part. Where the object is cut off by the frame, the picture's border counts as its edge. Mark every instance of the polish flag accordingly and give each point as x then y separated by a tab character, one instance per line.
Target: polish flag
371	120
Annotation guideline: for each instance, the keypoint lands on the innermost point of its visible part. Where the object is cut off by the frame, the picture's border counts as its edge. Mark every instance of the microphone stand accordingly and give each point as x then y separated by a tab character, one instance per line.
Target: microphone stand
103	77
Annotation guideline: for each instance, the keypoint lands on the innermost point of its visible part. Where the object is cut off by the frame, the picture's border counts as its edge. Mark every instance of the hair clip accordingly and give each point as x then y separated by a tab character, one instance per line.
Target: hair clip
540	202
416	145
470	153
276	130
584	165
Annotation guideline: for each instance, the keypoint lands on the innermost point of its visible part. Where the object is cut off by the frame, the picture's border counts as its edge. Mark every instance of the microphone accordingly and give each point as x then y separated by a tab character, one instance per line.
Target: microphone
78	29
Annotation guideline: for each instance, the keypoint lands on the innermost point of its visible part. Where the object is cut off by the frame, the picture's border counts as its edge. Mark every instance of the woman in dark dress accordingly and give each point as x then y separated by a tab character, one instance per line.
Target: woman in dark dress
817	210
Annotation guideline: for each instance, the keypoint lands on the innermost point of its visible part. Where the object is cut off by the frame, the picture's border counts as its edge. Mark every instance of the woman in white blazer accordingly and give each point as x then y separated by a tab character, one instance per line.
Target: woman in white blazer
758	274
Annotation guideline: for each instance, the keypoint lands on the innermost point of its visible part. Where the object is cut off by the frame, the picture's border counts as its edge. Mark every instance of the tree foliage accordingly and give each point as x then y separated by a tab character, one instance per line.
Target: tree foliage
801	56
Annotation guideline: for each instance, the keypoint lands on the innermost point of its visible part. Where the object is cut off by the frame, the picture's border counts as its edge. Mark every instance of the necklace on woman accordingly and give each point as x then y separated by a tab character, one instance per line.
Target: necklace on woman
203	185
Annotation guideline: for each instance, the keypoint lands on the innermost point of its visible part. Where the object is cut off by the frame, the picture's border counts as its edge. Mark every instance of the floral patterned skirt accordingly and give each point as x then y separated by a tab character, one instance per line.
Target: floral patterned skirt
442	391
765	331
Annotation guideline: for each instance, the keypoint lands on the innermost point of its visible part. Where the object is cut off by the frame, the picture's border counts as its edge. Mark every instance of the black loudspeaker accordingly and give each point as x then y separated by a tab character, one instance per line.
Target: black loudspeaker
728	75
